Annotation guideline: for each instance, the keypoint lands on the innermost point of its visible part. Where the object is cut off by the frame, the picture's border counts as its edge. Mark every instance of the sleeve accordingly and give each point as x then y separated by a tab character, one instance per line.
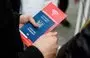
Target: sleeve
16	17
31	52
78	46
15	14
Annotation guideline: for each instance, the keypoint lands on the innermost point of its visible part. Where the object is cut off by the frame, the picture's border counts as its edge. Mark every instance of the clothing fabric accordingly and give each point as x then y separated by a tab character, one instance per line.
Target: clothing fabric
9	32
31	52
78	46
9	20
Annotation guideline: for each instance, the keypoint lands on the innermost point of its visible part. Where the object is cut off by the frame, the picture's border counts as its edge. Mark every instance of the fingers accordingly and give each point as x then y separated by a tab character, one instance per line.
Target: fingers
54	33
26	18
23	19
32	21
55	39
20	25
51	34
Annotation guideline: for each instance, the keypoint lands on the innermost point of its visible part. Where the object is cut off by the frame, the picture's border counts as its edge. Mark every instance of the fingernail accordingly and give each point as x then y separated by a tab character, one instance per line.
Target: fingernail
36	25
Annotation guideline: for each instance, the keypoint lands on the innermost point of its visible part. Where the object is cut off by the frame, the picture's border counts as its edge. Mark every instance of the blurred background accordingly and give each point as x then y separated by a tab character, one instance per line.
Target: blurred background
78	14
66	33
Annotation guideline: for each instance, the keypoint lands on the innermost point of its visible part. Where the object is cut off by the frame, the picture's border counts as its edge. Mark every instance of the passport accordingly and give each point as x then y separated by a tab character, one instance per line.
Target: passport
47	19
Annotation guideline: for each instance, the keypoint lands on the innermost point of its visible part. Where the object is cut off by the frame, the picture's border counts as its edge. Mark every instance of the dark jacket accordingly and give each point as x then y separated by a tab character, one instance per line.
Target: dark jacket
31	52
10	42
78	46
16	4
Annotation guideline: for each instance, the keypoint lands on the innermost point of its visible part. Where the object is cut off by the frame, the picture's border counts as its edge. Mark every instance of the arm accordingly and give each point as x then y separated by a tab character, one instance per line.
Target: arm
45	44
78	46
47	47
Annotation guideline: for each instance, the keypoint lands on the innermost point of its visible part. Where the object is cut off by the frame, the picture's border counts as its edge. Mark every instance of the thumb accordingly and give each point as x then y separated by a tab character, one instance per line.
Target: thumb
20	25
32	21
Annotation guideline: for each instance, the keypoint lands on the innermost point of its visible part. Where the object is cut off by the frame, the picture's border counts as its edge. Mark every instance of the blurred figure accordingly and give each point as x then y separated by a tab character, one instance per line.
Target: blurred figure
63	5
78	46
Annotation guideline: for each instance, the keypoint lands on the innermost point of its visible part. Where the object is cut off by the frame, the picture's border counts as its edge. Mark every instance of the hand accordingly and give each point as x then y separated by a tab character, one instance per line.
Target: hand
26	18
47	44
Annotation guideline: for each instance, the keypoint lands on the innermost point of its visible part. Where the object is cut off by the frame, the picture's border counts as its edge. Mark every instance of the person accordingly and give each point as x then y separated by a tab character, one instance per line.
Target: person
78	46
9	33
63	5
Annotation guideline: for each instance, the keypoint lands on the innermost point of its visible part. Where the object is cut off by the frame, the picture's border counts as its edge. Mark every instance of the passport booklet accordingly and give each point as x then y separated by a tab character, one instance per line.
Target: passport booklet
48	18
